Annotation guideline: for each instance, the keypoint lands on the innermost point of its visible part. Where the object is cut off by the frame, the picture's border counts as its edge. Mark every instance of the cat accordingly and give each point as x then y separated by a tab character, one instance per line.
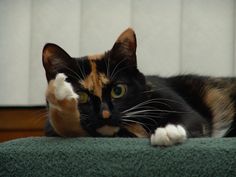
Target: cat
106	95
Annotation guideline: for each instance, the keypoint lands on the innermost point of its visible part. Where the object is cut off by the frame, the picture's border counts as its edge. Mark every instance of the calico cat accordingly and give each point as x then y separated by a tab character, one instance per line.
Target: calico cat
106	95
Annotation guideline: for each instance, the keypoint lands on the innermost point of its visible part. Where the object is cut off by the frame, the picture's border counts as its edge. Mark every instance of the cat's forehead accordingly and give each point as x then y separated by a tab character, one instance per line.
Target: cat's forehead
96	79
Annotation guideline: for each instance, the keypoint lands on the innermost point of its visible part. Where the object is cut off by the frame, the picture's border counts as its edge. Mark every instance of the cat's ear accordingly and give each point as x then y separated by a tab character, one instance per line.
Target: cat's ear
54	60
125	46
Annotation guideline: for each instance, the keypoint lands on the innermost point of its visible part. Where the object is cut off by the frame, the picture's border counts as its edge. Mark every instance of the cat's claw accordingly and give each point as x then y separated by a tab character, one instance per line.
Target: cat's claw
169	135
63	89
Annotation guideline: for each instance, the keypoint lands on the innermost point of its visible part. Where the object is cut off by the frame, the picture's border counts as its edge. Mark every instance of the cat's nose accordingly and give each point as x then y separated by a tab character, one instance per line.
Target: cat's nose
106	114
105	111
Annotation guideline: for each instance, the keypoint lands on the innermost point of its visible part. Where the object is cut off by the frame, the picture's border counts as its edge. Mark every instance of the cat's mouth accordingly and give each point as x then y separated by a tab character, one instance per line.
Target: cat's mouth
108	130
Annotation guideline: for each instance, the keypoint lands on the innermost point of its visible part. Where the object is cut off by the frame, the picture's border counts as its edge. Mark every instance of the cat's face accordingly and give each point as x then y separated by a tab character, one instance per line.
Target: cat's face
108	85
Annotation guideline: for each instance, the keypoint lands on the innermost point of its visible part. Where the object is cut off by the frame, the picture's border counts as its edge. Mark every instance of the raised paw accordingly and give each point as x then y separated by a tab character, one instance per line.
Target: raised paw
63	89
60	94
169	135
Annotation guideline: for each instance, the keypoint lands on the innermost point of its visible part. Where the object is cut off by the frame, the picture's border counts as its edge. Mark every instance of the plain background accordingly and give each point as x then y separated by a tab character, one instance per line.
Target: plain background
174	36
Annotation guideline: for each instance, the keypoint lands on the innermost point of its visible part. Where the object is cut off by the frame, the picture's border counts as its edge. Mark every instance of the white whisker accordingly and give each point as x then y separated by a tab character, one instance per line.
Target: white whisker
143	117
78	66
137	122
117	66
113	77
145	103
158	110
108	66
77	76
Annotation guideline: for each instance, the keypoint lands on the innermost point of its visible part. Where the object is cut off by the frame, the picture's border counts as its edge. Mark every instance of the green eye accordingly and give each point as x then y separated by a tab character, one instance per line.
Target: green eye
83	97
118	91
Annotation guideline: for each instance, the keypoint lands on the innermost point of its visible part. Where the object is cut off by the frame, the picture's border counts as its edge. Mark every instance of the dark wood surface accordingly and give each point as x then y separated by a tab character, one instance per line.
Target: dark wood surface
19	122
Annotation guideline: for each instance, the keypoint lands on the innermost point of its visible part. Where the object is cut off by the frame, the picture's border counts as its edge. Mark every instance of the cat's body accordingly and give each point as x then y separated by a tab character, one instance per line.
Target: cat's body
106	95
213	99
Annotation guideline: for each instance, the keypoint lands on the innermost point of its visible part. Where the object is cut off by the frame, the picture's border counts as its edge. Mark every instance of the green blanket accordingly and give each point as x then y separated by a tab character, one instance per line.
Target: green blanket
117	157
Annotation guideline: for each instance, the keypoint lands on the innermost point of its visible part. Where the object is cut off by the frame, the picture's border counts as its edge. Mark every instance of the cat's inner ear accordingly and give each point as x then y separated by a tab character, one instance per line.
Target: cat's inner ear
54	59
126	45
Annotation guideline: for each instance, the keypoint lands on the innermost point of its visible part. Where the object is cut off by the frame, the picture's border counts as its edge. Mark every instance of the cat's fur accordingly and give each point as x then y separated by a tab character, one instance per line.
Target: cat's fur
168	110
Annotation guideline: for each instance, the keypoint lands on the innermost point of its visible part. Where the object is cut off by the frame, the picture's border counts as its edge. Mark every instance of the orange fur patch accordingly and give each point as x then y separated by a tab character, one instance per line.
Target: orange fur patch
137	130
222	108
66	124
95	81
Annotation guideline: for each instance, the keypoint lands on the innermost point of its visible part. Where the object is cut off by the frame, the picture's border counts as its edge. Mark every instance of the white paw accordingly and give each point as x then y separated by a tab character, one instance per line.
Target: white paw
63	89
169	135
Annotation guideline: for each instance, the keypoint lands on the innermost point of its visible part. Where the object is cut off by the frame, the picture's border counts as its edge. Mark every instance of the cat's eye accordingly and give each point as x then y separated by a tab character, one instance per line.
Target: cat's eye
118	91
83	97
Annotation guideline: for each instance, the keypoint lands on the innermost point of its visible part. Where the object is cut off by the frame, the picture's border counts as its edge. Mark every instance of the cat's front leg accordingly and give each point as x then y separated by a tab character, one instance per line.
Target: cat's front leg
169	135
64	115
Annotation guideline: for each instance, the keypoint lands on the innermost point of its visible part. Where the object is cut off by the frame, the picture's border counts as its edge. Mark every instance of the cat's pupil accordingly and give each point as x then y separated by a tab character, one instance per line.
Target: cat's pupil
117	90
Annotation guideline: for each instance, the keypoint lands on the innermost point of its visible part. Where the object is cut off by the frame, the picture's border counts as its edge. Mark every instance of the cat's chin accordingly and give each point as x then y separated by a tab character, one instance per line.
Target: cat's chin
108	130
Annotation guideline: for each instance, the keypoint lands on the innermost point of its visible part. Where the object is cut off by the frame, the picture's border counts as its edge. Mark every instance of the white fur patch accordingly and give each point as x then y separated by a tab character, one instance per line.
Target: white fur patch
107	130
63	89
169	135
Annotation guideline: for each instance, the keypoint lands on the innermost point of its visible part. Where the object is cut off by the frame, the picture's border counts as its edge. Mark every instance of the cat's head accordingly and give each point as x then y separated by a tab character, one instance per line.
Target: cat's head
109	85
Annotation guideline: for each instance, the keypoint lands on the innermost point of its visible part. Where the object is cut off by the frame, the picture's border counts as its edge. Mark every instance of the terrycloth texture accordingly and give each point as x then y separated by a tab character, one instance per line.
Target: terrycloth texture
117	157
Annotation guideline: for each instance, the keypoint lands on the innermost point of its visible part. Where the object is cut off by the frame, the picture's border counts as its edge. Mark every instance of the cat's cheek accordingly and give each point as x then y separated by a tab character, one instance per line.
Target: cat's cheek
169	135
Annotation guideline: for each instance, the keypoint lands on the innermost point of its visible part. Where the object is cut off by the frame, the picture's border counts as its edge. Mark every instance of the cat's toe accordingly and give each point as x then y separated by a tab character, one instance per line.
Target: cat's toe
169	135
63	89
160	137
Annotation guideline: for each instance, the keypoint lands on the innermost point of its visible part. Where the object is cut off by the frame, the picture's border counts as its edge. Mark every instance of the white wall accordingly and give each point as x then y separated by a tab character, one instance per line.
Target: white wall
174	36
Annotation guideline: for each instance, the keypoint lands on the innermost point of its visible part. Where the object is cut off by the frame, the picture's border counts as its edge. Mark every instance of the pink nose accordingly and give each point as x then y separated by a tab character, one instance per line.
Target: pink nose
106	114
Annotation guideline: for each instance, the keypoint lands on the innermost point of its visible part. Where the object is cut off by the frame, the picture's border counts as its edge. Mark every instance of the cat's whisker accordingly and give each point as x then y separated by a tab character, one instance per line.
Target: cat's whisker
153	114
138	108
153	101
134	108
83	73
151	118
160	99
162	111
113	77
108	66
136	122
77	76
78	66
64	65
117	66
40	116
72	76
106	63
165	99
41	111
154	89
150	101
84	116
